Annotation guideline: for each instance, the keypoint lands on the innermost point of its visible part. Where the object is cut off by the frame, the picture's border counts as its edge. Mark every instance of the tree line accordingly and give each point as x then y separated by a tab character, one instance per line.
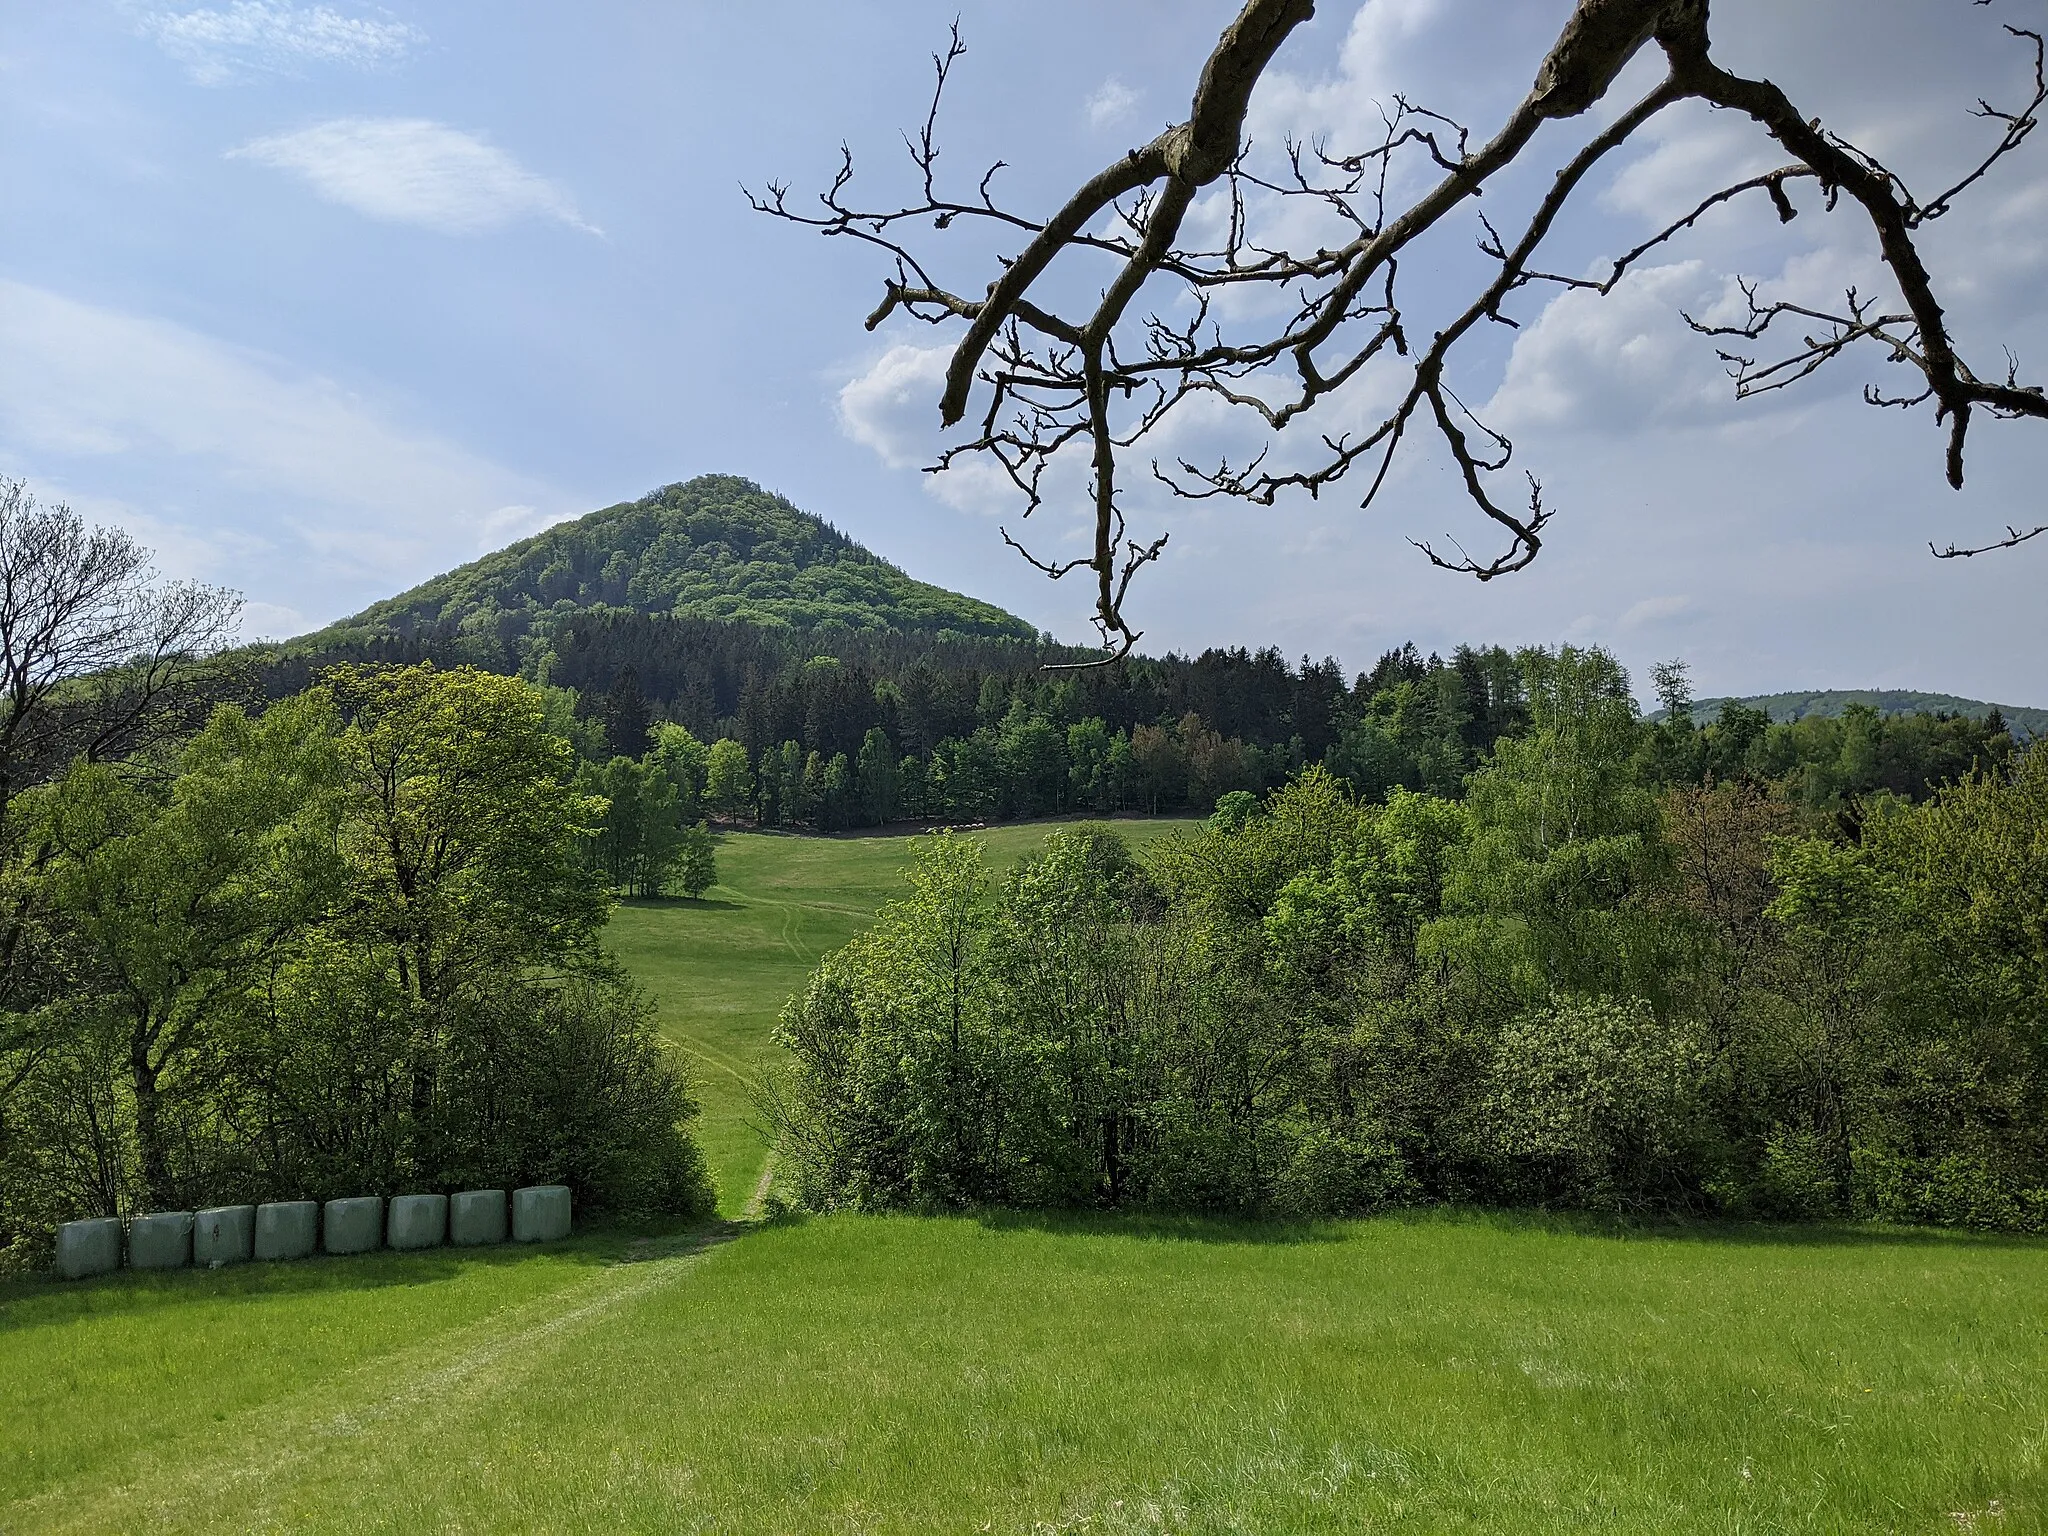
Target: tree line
1604	975
871	743
347	944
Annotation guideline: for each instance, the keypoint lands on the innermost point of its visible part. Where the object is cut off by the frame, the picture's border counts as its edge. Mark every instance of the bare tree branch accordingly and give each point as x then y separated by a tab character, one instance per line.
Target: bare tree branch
1111	375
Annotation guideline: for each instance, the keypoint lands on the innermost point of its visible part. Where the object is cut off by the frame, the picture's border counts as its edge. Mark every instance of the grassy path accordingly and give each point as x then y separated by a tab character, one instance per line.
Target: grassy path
278	1464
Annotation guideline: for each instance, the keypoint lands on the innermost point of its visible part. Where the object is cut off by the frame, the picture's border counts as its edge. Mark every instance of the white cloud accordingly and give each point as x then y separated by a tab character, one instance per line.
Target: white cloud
893	407
315	500
1621	363
1375	63
1652	611
1111	103
412	171
214	44
1694	151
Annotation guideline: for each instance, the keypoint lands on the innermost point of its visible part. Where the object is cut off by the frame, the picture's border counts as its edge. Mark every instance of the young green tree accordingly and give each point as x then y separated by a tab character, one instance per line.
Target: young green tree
816	811
728	779
890	1047
1549	895
686	761
876	777
462	828
1087	764
696	869
181	897
798	805
640	831
836	803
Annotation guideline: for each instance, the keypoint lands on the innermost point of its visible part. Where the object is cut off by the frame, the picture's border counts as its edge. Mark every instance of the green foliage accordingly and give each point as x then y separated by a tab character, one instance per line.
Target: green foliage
1599	1097
687	762
461	826
570	1085
1032	1044
347	946
1547	894
878	779
728	779
1922	1089
1784	708
180	901
715	547
696	869
1573	986
638	842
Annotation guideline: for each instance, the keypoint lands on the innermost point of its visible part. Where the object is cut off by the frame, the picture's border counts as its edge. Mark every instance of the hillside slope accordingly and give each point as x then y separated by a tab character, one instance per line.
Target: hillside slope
1886	701
717	547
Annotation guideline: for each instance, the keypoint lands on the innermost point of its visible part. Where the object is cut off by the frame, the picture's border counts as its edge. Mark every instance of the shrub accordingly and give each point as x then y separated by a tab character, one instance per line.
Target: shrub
1597	1097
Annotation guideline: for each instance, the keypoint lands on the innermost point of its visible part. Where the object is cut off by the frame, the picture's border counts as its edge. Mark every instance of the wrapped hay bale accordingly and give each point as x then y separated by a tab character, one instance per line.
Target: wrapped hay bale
224	1234
160	1240
418	1221
287	1229
354	1225
476	1217
89	1247
540	1213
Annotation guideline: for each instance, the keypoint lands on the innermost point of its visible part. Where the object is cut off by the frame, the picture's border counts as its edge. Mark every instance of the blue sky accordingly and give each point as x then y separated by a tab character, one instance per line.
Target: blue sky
322	299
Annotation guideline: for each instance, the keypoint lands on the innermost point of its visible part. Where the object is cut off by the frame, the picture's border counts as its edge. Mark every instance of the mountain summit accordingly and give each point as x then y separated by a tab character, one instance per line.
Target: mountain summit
716	547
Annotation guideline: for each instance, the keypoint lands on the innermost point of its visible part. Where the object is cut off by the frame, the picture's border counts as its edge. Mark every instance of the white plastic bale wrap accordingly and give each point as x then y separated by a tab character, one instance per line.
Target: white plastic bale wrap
89	1247
223	1235
540	1213
418	1221
475	1217
354	1225
287	1229
160	1240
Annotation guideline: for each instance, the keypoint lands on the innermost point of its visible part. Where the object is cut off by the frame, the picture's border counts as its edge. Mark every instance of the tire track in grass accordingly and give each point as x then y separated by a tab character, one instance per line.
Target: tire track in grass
757	1202
711	1056
198	1486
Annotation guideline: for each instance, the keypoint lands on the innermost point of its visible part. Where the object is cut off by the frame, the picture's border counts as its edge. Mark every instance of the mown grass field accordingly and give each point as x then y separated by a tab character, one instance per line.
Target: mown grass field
1435	1372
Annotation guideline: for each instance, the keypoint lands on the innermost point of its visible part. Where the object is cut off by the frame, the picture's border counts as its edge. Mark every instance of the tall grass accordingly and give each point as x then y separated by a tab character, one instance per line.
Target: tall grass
1435	1373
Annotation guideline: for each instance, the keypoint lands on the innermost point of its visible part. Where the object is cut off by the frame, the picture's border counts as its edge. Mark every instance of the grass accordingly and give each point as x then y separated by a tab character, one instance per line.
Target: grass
1438	1372
720	968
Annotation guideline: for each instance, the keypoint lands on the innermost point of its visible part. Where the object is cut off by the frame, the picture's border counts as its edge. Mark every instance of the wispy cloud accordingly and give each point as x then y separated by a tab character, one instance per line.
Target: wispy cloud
412	171
1111	103
1653	611
215	44
313	499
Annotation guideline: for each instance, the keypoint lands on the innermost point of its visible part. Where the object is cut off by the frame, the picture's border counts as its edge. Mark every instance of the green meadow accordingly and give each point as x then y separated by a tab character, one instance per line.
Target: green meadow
1439	1371
720	967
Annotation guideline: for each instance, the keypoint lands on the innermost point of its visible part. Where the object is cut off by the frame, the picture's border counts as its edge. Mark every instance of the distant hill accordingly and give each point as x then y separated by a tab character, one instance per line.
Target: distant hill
717	547
1886	701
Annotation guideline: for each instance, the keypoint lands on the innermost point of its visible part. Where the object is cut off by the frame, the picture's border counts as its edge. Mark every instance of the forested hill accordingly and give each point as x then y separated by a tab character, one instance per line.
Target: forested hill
717	547
1785	707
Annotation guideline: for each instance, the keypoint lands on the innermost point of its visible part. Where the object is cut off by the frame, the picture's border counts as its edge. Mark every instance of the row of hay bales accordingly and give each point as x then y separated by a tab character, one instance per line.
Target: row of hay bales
294	1229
